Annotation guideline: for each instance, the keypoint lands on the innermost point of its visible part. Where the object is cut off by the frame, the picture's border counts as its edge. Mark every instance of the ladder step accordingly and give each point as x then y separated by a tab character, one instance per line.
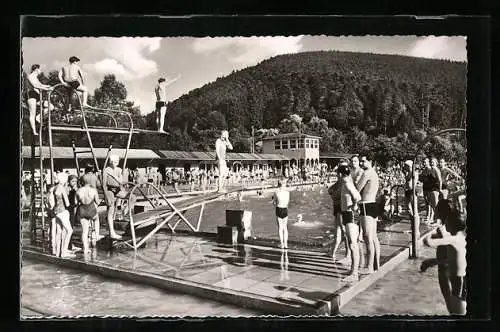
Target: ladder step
85	151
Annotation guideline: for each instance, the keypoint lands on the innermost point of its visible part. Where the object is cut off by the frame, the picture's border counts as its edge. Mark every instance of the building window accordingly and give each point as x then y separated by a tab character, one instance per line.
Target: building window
293	144
277	144
301	143
316	143
307	143
284	144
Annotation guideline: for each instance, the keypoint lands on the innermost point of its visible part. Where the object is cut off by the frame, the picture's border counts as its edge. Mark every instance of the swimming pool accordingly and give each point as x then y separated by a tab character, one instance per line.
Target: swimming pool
311	201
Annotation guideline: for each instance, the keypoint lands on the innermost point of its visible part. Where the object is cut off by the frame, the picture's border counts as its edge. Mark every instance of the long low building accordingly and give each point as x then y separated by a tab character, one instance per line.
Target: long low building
64	158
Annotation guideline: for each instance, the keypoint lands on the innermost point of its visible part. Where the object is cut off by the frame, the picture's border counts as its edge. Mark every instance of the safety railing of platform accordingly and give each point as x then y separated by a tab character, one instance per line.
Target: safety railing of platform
94	110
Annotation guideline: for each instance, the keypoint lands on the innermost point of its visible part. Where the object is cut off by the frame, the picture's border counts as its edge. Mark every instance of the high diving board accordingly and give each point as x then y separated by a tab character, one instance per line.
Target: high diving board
160	215
102	129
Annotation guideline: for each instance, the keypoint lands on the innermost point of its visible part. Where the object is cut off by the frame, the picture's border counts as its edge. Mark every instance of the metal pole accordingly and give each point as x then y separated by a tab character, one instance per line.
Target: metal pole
33	190
415	225
42	197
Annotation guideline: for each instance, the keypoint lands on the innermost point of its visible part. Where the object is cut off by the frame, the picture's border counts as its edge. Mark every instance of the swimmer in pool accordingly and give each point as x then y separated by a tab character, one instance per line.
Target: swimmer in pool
280	200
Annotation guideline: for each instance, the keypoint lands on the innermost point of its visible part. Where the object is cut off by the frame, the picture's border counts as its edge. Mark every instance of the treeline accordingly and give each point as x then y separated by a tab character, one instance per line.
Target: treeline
355	101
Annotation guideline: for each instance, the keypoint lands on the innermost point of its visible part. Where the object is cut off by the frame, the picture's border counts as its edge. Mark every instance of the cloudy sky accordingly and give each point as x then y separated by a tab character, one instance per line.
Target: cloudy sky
139	62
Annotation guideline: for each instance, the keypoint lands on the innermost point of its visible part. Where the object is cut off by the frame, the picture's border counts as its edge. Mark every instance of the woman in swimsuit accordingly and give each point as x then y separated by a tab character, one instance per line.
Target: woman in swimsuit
86	212
61	203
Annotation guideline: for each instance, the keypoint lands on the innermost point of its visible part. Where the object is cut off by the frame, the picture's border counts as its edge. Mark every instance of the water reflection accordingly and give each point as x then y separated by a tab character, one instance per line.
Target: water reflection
284	265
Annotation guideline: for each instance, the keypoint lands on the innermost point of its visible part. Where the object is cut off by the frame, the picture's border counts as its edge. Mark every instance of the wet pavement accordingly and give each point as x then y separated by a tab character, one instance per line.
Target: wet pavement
75	293
298	276
403	291
294	277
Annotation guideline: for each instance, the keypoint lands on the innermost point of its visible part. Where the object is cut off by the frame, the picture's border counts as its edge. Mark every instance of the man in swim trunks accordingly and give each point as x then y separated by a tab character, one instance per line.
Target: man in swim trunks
221	145
409	183
113	189
161	101
33	94
71	76
280	200
368	186
87	200
349	197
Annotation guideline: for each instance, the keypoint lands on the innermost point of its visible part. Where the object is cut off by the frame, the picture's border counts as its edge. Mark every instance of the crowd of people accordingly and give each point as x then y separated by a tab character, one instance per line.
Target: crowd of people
359	202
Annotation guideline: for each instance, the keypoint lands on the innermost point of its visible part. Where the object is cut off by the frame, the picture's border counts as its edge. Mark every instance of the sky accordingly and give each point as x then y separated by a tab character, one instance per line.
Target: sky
139	62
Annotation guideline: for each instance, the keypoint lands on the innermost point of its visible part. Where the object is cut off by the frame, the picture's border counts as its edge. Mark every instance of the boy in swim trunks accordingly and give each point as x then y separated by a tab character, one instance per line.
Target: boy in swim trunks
450	243
87	200
161	101
71	75
280	200
33	94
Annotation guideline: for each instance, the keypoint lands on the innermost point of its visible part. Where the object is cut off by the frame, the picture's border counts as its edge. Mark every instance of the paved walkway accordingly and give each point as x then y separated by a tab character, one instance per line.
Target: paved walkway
404	291
295	278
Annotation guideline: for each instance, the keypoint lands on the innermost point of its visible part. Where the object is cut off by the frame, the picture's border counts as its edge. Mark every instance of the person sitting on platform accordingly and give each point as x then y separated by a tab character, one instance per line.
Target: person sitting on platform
33	95
71	75
113	189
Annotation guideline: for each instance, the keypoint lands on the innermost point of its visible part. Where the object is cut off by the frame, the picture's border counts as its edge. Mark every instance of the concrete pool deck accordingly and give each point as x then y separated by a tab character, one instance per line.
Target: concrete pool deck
274	281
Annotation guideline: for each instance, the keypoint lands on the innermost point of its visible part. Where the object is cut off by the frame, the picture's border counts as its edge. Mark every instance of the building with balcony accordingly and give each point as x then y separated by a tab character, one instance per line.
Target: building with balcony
301	149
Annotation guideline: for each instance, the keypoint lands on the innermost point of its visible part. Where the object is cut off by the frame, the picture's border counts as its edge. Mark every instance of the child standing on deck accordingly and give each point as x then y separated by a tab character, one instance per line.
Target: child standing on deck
281	199
450	243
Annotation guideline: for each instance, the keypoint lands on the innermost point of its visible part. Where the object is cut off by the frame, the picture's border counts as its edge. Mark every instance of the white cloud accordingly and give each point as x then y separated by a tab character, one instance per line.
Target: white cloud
441	47
127	57
109	66
247	50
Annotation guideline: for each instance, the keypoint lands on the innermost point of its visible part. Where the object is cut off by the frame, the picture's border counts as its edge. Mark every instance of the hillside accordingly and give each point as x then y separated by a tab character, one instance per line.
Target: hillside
346	89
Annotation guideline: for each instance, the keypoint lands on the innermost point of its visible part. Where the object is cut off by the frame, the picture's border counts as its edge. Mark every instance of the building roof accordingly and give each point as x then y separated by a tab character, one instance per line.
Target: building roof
210	156
290	135
63	152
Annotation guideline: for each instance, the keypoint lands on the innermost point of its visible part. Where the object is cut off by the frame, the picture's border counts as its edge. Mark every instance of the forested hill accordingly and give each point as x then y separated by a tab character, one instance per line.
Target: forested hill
378	94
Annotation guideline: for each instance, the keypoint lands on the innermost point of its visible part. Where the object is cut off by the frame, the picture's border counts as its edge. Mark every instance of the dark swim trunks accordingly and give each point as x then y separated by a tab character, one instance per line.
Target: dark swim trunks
369	209
32	94
74	84
281	212
348	217
86	211
160	104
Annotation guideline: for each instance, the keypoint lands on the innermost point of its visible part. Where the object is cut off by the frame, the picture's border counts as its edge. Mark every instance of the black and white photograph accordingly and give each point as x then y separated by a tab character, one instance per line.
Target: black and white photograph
304	175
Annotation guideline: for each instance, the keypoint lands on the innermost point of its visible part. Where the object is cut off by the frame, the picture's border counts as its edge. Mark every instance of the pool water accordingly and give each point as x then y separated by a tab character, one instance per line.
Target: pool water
312	202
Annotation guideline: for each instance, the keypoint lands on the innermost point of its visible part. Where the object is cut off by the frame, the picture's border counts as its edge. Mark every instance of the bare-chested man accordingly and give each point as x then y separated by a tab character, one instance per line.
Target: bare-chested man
33	94
280	200
87	200
221	145
161	100
71	75
368	186
113	188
